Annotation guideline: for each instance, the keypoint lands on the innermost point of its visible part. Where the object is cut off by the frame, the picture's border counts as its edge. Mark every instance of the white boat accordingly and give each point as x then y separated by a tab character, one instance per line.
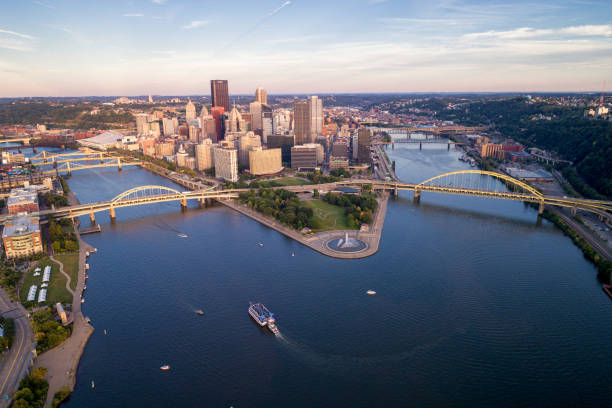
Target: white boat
164	367
92	384
199	312
183	235
371	292
293	254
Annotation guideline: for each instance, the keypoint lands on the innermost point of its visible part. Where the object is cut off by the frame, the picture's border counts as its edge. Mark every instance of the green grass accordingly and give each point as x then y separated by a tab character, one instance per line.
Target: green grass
71	267
56	292
327	217
287	181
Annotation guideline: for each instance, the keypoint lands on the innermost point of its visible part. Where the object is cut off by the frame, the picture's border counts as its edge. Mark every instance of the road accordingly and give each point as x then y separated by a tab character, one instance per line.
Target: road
16	361
603	250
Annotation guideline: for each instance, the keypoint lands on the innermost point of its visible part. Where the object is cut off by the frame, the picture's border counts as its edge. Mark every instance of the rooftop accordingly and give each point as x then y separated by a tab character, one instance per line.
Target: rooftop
21	226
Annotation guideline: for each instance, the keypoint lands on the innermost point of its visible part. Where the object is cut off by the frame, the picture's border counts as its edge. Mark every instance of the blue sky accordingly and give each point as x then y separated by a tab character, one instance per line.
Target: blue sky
113	47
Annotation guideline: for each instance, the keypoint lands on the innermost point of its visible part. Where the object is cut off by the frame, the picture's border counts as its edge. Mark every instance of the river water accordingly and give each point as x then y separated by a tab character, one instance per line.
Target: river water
477	304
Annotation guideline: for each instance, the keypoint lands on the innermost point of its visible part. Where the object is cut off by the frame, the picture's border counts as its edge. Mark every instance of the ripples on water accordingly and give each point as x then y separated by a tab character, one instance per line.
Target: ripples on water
477	304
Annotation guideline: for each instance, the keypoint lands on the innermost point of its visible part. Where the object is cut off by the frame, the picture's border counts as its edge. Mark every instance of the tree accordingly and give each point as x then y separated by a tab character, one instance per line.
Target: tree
315	193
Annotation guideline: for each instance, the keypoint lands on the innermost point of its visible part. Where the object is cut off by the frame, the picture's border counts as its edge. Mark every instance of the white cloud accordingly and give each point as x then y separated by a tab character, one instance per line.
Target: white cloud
196	24
376	1
133	15
16	34
16	45
159	1
528	32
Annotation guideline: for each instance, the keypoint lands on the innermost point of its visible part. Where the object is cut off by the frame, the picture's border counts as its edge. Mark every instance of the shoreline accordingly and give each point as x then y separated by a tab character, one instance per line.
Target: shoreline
62	361
318	241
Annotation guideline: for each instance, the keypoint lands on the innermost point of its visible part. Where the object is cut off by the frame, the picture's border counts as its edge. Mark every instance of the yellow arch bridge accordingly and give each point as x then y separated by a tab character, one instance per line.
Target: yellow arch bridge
475	183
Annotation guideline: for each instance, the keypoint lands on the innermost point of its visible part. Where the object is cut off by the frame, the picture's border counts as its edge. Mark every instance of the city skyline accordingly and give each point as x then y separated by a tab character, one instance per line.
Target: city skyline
172	47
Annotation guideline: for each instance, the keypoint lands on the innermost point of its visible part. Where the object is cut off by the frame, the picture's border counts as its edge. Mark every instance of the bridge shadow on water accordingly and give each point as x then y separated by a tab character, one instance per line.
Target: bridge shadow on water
434	208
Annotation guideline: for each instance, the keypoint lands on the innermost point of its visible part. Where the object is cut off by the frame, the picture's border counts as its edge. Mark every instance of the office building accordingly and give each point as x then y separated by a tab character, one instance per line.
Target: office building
194	134
340	149
306	156
226	163
246	142
308	119
164	149
234	122
281	121
261	96
283	142
363	153
170	126
219	92
218	114
190	111
338	163
21	237
22	200
355	146
142	124
263	162
267	122
204	155
255	110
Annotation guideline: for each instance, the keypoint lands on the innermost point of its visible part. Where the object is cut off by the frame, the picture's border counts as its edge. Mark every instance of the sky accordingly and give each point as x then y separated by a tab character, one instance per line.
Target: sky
175	47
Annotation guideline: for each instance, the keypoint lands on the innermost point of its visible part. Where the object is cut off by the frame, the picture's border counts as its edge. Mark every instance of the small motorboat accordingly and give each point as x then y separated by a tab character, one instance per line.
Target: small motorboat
199	312
371	292
93	385
293	254
164	367
183	235
82	300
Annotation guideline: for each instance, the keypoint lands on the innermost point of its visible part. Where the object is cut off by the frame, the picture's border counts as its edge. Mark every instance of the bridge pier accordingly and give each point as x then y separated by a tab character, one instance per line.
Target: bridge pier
68	167
92	218
395	192
112	214
119	163
420	145
201	202
183	204
573	211
541	208
417	196
392	146
101	161
448	147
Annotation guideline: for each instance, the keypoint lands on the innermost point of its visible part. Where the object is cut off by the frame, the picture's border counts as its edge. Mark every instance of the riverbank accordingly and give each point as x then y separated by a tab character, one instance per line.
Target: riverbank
318	242
62	361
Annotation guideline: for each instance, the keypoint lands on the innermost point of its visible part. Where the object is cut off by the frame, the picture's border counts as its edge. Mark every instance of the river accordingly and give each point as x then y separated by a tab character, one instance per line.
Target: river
477	304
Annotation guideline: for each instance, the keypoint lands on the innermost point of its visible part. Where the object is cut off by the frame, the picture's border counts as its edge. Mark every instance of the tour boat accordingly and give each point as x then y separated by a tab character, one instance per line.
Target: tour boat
263	316
199	312
164	367
608	290
371	292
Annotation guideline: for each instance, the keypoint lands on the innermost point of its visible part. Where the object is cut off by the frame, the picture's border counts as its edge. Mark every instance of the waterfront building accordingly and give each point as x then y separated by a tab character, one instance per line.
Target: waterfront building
263	162
267	122
22	200
219	92
246	142
255	110
21	237
181	157
306	156
204	155
363	151
106	140
283	142
190	111
163	149
226	163
261	96
490	149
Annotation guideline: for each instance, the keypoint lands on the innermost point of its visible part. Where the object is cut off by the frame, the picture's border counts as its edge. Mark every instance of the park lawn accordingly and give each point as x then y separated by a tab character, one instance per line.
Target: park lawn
288	181
71	267
56	292
327	217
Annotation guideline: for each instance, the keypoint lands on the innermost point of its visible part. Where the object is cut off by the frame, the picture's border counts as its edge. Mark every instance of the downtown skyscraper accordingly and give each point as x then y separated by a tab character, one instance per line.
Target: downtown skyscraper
308	118
219	92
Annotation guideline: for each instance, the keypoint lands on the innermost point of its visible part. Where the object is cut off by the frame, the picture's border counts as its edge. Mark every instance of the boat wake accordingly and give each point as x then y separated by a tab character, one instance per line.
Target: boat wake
167	227
346	365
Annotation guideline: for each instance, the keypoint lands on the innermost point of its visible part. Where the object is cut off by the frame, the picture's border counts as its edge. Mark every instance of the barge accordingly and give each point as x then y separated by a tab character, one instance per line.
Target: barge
263	316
